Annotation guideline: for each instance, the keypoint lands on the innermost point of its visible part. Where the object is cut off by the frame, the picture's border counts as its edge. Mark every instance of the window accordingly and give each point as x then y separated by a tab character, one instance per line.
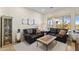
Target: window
58	22
50	22
28	21
66	22
77	22
24	21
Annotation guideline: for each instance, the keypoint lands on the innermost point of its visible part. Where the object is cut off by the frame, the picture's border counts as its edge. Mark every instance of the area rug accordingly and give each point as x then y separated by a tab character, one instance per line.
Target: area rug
24	46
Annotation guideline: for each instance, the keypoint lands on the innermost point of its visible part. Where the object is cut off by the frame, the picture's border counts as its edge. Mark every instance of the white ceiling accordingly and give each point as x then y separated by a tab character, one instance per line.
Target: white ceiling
45	10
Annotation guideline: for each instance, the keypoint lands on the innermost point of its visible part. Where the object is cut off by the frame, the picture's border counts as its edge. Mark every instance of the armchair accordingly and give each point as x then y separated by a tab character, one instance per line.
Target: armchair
62	36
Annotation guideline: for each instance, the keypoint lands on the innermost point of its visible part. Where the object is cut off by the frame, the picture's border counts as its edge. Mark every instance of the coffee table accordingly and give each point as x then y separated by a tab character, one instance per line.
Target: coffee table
46	40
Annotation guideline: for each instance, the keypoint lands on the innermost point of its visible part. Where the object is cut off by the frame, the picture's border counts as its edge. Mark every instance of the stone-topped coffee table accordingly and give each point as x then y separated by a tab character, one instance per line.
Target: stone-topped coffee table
46	40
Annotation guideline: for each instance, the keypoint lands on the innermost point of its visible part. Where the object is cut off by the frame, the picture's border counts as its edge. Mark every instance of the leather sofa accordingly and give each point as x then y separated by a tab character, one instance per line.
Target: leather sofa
55	32
30	35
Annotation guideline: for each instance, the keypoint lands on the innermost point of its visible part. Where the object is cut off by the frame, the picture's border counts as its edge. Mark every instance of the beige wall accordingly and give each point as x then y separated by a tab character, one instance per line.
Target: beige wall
18	14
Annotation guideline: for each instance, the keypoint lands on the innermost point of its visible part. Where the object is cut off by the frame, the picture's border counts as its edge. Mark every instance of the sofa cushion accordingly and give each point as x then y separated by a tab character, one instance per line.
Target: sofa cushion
62	32
53	30
29	31
34	31
25	31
